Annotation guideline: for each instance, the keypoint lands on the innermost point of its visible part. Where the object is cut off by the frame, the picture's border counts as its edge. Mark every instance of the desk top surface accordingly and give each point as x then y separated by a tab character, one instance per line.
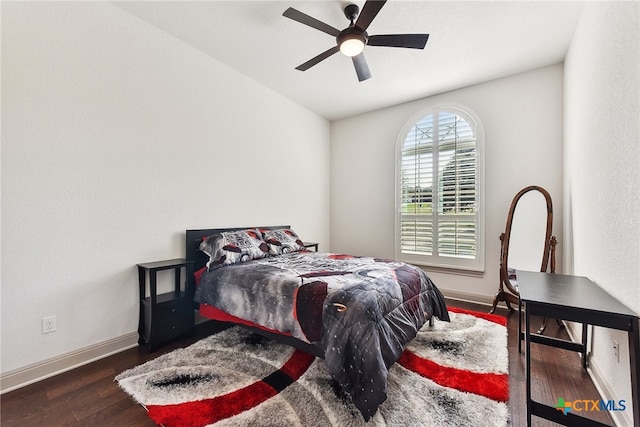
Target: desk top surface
569	291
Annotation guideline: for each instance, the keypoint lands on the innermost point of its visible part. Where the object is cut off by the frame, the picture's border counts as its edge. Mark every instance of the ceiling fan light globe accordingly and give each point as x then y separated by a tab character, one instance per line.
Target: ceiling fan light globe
352	46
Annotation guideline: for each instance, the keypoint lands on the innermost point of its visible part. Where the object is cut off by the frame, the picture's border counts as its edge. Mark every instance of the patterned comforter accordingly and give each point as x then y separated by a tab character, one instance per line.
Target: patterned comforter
360	311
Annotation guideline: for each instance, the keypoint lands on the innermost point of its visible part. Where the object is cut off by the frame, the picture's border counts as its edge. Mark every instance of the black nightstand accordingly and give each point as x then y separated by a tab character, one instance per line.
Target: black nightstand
169	315
311	245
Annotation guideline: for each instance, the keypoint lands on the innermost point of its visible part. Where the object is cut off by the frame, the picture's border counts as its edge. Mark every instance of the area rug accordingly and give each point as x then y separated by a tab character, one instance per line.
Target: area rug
451	374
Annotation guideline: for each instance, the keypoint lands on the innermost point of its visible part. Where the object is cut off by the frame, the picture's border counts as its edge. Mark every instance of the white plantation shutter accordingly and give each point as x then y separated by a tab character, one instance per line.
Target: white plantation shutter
439	212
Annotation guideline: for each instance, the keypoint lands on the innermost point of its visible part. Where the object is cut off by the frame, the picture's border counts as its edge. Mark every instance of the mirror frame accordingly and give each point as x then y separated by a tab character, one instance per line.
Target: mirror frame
548	255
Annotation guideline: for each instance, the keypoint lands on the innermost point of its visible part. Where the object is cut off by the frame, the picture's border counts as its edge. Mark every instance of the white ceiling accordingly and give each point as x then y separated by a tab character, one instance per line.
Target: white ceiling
470	42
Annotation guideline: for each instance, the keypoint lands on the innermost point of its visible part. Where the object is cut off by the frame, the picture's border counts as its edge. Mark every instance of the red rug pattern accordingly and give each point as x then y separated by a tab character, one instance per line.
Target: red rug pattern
456	371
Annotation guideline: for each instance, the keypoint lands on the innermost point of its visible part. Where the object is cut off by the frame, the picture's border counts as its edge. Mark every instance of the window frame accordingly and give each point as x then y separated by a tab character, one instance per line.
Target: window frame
436	260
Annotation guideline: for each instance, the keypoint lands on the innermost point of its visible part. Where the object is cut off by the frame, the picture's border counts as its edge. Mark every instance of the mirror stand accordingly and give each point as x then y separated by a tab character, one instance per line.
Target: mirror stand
528	234
507	292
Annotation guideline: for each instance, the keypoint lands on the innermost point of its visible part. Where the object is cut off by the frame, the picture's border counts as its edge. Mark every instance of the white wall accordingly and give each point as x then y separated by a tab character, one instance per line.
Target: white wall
602	177
116	137
522	119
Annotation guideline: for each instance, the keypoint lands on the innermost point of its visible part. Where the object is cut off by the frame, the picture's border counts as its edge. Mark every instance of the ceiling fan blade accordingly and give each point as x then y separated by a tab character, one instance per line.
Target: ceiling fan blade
303	18
362	69
313	61
412	41
369	11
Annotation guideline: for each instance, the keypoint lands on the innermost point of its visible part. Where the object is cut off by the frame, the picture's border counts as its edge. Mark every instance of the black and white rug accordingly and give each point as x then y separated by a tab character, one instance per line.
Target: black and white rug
451	374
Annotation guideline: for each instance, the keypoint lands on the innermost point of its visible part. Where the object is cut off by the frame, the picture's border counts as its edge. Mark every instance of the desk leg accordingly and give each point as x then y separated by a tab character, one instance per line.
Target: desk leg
527	349
519	325
634	360
585	329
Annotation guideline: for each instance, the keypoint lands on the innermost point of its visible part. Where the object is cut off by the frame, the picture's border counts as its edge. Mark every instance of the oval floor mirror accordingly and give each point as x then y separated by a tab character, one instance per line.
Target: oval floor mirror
527	243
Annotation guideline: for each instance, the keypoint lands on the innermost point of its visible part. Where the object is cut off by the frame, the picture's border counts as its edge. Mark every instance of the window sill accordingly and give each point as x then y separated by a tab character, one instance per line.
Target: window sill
450	270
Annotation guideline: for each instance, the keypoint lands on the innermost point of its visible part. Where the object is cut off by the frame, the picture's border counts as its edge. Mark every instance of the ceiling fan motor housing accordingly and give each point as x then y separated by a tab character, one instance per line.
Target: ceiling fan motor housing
352	33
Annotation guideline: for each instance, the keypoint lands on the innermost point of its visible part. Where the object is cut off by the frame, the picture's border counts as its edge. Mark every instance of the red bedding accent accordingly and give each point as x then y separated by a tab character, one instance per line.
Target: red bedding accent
213	313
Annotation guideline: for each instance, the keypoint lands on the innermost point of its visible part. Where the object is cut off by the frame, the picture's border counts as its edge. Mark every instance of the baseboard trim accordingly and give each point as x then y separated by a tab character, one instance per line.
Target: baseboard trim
467	297
39	371
620	418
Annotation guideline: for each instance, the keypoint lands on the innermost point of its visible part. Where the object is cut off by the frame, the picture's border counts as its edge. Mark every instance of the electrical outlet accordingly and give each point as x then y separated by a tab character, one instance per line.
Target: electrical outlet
48	324
616	351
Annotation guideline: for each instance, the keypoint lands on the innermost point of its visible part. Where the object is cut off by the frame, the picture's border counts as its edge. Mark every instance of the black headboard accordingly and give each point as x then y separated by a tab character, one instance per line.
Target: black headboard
199	258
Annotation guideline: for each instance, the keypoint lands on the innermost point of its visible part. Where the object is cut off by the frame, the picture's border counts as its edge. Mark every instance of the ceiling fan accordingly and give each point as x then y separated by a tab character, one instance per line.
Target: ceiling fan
352	40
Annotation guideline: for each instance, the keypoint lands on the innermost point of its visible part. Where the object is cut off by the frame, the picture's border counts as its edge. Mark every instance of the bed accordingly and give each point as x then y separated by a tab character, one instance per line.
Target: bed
357	313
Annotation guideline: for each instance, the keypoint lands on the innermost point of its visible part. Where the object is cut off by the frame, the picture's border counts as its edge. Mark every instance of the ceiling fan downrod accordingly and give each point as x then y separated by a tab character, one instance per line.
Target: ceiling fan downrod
351	12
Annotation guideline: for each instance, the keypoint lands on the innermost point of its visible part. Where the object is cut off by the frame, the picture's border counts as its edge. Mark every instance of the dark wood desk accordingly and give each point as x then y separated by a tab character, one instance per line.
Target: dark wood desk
575	299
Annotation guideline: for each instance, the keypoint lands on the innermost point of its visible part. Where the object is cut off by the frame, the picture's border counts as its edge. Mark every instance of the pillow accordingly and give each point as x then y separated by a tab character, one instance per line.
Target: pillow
231	247
282	241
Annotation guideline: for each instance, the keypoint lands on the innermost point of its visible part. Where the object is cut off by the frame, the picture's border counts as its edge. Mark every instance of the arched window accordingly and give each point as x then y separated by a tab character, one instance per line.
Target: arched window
439	187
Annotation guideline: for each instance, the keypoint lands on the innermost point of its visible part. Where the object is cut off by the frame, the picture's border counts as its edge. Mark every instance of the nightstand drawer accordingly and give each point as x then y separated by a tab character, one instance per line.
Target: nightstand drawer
173	324
171	307
167	320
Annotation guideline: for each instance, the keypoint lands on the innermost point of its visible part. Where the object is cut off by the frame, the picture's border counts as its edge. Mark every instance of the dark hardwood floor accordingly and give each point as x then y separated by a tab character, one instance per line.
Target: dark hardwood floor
88	396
